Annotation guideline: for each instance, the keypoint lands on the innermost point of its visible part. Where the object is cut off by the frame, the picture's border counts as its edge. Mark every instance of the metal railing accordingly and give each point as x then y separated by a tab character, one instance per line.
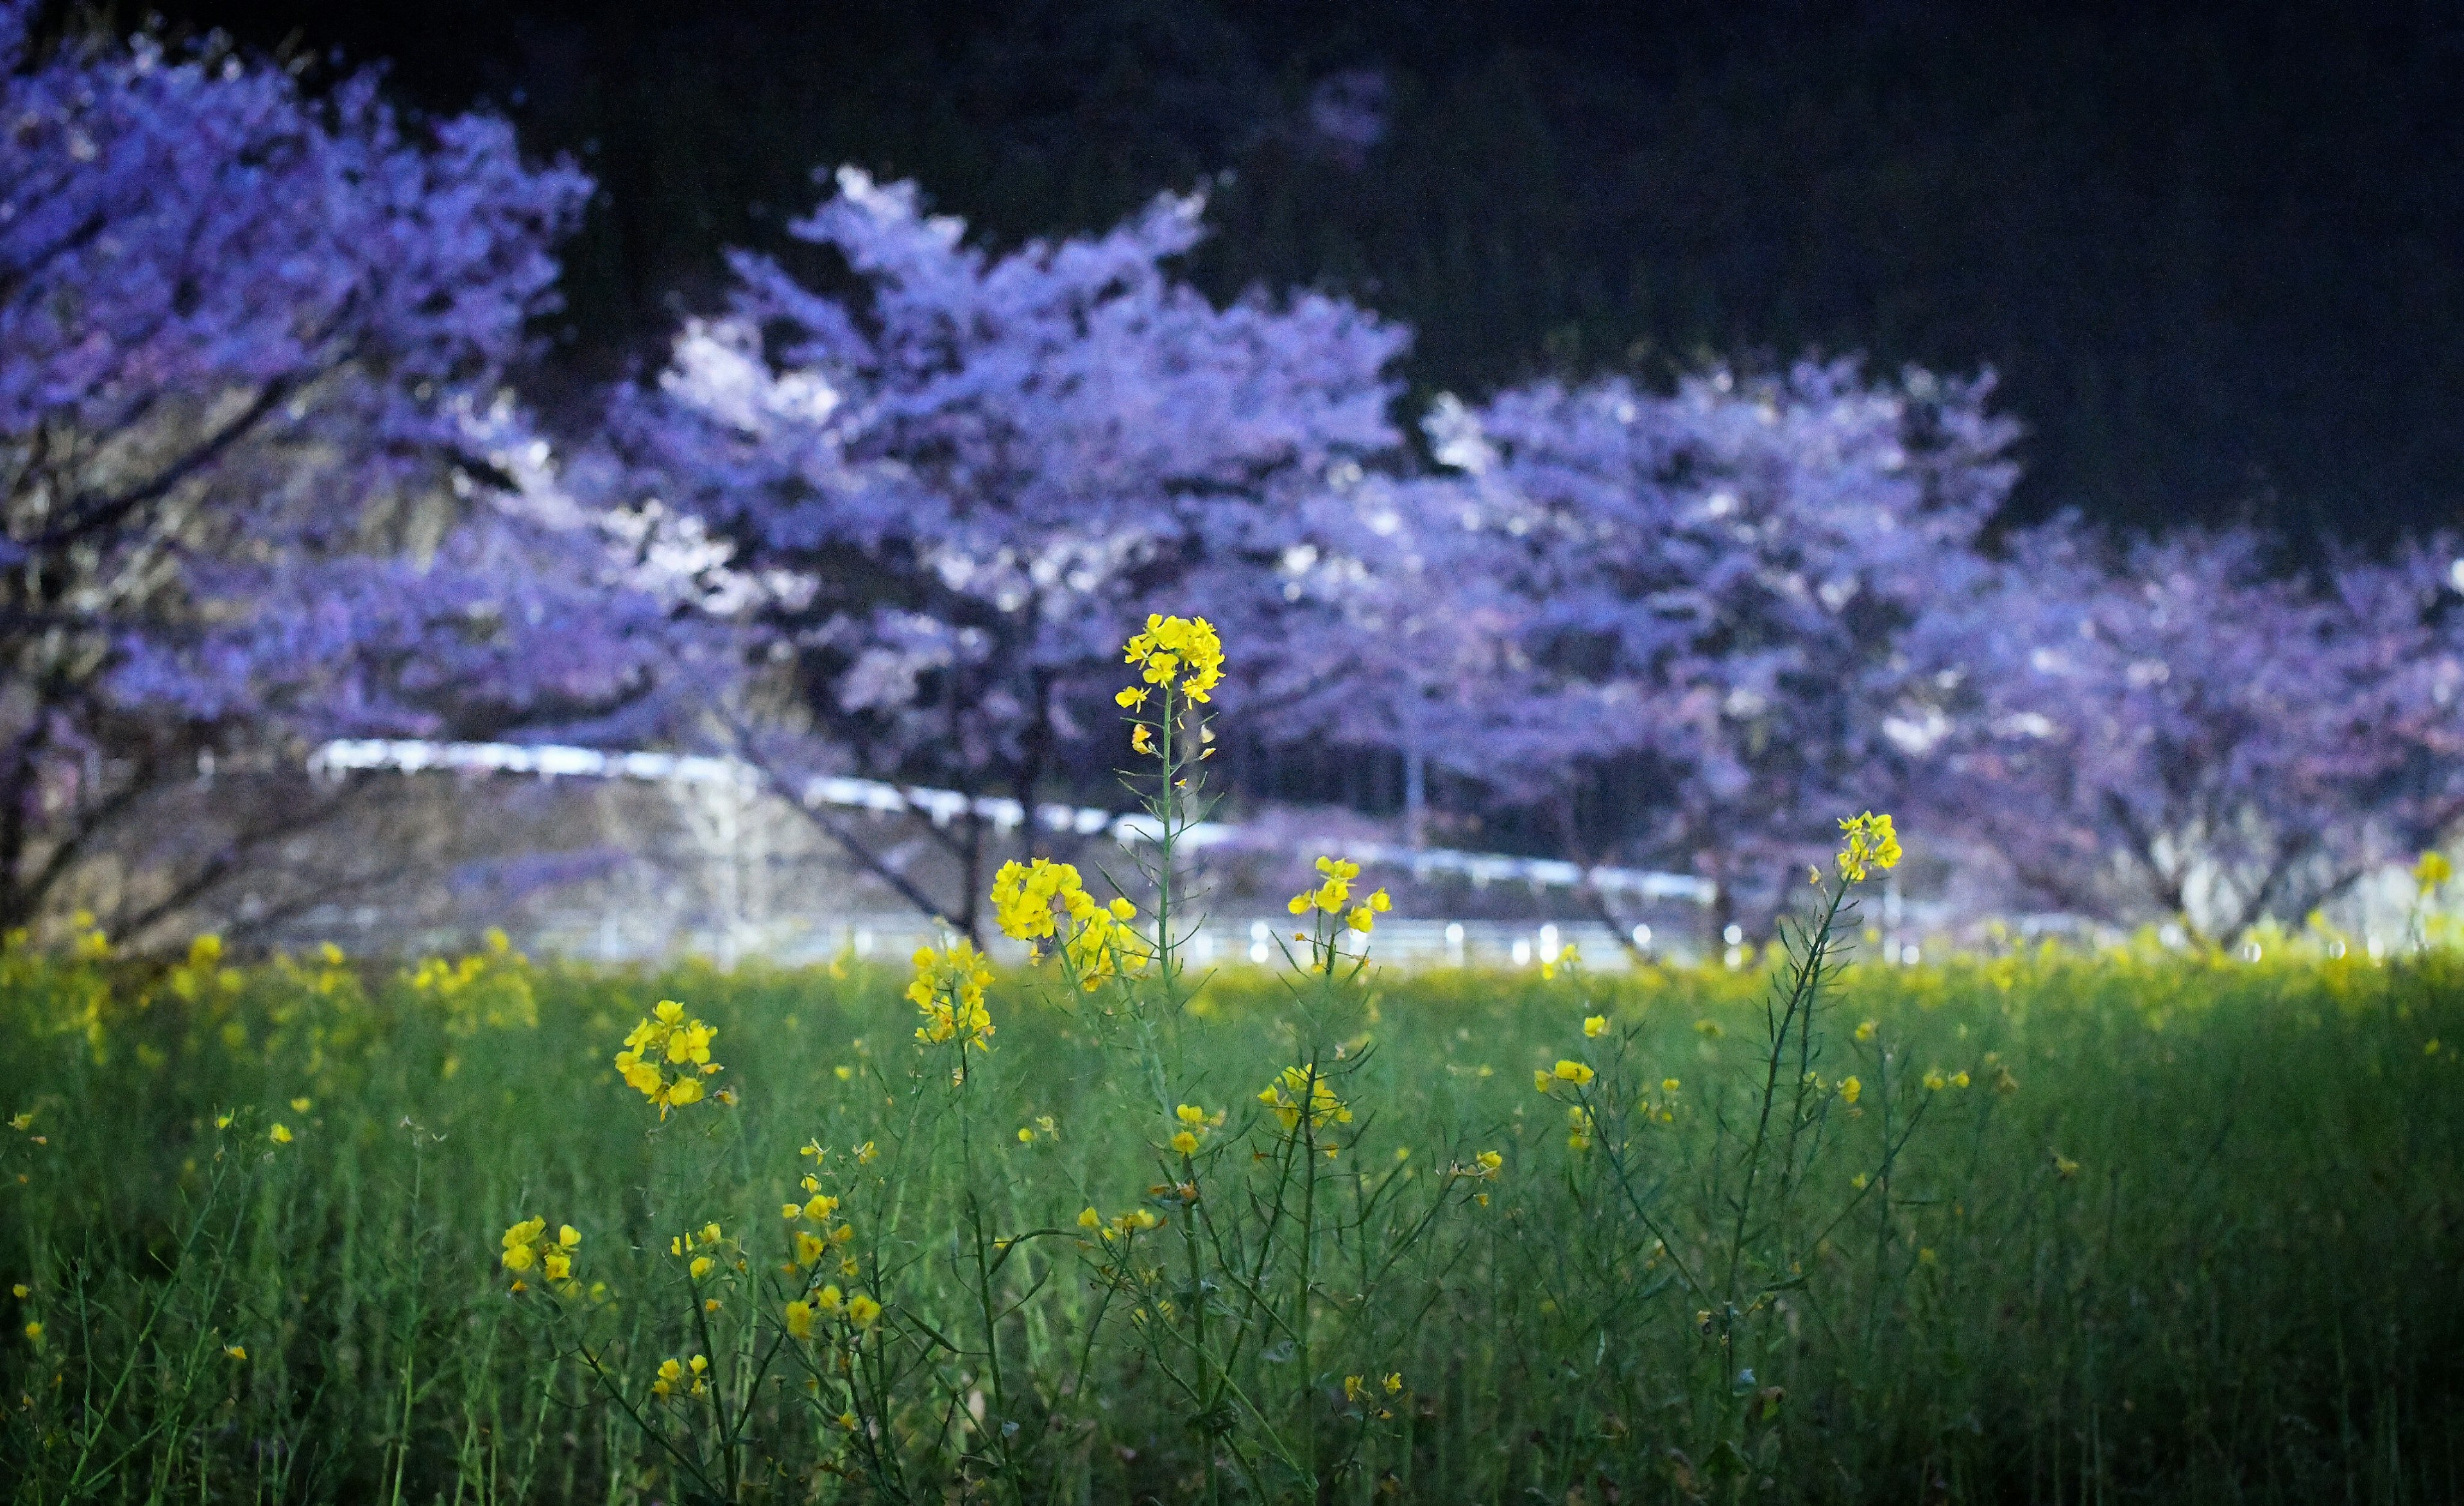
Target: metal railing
550	760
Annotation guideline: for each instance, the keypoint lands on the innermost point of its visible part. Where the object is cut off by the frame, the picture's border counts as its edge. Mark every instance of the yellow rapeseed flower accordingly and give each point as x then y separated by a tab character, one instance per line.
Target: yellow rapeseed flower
1184	647
668	1037
1594	1027
1870	845
949	988
1299	1088
280	1135
1849	1089
2431	871
862	1311
800	1320
1097	940
1572	1071
521	1244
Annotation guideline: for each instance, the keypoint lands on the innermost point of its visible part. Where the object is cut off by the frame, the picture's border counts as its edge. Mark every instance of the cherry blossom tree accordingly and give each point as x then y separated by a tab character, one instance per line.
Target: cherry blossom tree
2185	728
259	481
1688	604
958	487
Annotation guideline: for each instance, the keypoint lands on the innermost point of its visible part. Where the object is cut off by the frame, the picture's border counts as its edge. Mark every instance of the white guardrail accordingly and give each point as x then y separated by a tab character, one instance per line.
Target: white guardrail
551	761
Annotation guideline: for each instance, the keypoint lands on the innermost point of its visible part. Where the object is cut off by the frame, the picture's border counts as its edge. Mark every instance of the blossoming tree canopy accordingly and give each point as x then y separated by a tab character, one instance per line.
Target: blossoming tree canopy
2177	727
1690	599
257	478
961	481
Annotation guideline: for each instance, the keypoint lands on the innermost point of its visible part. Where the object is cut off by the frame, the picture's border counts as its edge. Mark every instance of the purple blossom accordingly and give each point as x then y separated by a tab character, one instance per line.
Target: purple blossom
958	491
261	482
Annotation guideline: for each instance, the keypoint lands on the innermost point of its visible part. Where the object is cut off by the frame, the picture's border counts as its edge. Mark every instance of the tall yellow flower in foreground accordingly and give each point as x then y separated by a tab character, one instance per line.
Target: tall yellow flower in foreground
1869	845
949	988
667	1038
1170	647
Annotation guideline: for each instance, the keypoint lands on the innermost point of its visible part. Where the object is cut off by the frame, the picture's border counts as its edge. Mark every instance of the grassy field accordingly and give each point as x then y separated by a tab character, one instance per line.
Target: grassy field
2190	1230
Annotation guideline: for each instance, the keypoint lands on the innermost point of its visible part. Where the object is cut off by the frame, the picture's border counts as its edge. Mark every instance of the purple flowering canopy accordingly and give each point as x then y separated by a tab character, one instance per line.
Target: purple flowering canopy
1671	619
958	491
260	481
2175	729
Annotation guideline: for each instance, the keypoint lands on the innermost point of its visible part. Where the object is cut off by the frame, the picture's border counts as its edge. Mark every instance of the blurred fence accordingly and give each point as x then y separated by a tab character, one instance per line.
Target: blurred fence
944	805
742	916
890	938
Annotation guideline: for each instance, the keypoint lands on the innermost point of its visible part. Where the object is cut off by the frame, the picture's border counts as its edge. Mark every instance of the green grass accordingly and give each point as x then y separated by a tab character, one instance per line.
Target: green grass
2204	1247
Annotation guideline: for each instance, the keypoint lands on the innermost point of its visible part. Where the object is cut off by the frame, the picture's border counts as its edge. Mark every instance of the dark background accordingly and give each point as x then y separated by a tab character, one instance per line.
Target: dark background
2213	251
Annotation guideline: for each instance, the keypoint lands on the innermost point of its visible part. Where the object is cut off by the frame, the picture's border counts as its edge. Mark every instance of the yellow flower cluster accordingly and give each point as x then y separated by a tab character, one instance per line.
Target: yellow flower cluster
689	1375
1137	1221
860	1310
701	1250
1194	1125
488	989
667	1038
1572	1072
1355	1387
1300	1089
1186	647
527	1247
819	1236
1870	846
2431	871
949	988
1333	892
1023	894
1098	940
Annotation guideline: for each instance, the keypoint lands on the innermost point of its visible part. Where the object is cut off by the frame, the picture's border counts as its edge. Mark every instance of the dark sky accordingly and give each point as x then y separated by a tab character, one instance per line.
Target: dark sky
2217	253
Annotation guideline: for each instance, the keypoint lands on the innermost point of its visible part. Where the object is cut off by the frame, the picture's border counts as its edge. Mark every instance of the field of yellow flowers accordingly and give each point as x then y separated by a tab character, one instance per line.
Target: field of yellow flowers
2168	1228
2043	1226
